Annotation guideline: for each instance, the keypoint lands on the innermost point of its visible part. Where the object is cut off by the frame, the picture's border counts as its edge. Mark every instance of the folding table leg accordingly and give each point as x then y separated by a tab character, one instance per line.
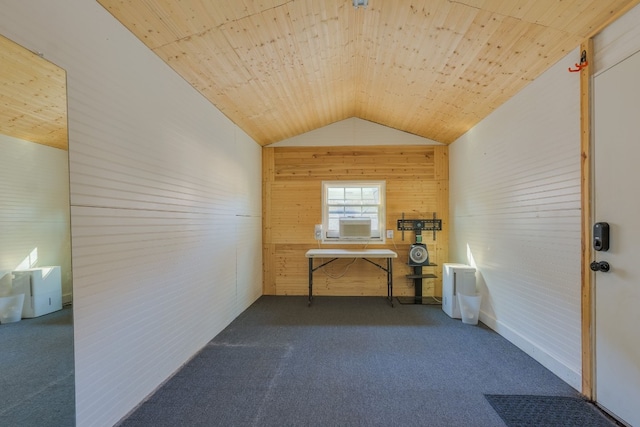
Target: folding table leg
310	281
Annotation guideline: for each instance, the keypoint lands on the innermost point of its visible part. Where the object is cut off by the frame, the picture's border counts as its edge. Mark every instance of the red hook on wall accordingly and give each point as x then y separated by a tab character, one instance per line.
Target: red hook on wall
583	63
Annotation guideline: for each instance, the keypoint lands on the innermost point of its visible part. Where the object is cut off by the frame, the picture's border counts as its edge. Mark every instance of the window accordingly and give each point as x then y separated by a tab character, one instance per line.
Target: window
355	203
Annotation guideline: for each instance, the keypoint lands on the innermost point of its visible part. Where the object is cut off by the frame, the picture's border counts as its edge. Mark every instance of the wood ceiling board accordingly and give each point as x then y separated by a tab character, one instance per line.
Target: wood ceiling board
425	114
142	18
293	79
433	68
33	97
586	17
158	23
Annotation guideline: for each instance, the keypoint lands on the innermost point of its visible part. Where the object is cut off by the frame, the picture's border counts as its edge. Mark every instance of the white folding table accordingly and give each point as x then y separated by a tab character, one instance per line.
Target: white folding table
365	254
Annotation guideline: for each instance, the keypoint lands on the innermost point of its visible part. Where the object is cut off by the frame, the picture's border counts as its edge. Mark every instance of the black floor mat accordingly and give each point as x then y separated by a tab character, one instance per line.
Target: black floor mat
536	411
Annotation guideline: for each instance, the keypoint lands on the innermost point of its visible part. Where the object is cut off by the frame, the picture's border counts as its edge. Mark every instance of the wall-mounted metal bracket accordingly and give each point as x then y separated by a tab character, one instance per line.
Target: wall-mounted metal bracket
420	225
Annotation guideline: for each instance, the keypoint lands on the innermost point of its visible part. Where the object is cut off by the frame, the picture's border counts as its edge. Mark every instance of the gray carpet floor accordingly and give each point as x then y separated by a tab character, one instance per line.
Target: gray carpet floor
37	372
346	361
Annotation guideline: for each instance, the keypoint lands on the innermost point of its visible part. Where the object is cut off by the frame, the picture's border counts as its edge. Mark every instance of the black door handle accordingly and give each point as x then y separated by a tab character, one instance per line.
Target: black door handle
600	266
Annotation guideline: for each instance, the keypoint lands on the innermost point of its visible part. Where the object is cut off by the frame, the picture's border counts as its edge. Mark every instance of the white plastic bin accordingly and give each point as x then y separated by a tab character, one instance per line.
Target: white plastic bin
469	307
11	308
456	278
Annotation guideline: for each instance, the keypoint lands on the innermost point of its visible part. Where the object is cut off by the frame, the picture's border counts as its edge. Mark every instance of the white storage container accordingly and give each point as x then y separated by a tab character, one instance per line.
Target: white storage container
42	288
469	307
456	278
11	308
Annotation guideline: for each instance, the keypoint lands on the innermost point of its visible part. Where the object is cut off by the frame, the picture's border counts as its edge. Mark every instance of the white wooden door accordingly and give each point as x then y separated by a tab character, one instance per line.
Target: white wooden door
617	201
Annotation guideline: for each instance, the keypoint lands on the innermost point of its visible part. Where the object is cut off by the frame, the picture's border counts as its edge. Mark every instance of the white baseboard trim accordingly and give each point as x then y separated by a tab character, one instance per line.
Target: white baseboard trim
564	372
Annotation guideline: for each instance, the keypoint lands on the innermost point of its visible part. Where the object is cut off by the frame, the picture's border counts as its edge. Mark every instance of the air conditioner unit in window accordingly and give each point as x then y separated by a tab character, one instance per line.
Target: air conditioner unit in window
355	228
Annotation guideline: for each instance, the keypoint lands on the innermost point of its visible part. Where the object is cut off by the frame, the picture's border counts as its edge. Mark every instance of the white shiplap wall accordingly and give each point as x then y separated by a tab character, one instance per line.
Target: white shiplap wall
165	206
34	208
354	131
617	42
515	215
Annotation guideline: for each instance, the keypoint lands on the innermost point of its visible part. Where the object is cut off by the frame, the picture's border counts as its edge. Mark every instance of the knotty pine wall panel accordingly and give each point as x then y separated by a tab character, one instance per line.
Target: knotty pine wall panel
417	184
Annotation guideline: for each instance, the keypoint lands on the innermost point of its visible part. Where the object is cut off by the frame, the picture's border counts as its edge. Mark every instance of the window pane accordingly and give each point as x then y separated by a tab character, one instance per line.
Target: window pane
335	195
353	211
370	195
353	194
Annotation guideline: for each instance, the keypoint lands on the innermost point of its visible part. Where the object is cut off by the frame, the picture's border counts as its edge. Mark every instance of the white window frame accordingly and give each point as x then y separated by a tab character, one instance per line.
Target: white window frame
330	234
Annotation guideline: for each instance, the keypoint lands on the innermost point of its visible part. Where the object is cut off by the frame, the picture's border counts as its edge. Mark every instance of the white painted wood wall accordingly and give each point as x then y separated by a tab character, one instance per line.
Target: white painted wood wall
34	208
515	215
165	206
354	131
617	42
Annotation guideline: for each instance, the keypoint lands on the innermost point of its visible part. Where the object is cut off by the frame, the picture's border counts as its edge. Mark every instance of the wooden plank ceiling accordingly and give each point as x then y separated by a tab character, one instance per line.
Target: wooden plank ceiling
433	68
33	97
